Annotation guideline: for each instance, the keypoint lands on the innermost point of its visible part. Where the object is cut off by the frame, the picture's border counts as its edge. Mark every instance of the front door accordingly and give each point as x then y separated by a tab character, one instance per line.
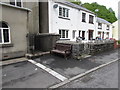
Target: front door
90	34
103	35
83	35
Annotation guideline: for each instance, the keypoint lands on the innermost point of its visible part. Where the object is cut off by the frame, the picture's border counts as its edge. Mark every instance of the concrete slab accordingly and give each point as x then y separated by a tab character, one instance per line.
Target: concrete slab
50	71
67	68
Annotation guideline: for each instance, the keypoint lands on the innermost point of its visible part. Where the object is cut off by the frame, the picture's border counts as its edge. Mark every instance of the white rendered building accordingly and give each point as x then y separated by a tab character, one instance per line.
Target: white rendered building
71	20
103	29
116	33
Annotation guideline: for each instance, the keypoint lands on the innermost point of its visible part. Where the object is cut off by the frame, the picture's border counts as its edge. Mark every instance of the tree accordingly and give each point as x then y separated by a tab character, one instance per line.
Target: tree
101	11
78	2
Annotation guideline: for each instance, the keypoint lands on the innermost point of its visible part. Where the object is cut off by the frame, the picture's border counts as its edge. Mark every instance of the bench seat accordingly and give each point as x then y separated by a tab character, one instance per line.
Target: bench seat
64	49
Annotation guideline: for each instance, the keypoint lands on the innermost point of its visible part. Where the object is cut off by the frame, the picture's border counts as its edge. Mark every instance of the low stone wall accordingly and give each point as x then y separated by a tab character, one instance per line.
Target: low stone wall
77	47
91	48
95	48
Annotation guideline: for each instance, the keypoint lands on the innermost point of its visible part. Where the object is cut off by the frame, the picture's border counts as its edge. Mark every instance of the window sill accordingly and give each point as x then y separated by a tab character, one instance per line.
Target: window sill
64	39
6	45
99	28
84	21
91	23
64	18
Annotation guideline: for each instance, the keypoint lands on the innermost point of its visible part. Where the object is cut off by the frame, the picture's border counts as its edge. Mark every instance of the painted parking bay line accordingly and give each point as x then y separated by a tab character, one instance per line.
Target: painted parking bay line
50	71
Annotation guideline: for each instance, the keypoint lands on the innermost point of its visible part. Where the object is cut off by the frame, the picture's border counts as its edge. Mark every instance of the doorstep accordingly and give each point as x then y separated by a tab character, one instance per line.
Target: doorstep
27	56
12	61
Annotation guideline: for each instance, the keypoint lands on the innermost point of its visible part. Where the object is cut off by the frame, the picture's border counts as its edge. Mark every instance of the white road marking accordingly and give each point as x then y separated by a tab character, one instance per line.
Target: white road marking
50	71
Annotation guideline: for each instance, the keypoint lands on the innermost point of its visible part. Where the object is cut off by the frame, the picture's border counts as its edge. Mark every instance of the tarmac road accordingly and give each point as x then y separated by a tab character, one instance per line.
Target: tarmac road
106	77
28	75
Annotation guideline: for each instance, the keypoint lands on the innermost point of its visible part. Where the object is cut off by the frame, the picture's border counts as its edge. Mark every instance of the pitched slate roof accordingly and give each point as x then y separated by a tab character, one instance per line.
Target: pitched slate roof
74	6
100	20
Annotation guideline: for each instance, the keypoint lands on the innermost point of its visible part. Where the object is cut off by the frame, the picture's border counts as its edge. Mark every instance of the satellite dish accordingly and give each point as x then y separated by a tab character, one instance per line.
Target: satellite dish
55	5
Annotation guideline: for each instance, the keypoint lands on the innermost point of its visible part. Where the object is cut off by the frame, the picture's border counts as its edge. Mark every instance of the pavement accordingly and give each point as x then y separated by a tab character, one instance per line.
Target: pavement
12	61
72	67
49	70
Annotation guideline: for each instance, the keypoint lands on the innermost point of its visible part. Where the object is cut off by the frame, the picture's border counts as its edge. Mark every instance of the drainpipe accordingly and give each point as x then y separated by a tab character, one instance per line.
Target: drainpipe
27	36
95	26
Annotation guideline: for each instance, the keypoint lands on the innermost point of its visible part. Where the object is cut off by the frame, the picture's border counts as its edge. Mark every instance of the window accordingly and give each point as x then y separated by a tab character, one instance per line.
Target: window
63	12
73	34
16	2
63	33
107	34
60	11
4	33
83	35
79	33
108	27
91	19
66	34
99	34
90	34
83	17
12	2
99	25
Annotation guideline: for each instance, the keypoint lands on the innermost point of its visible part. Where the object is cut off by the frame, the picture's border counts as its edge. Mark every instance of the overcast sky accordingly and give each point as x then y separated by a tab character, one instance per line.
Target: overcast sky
108	3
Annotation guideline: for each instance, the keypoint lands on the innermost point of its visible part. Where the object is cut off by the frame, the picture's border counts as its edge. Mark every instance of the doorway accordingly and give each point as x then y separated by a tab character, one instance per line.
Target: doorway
90	34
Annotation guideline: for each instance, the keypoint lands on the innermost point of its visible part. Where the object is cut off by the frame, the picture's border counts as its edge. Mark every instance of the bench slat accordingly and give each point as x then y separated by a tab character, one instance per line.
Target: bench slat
64	49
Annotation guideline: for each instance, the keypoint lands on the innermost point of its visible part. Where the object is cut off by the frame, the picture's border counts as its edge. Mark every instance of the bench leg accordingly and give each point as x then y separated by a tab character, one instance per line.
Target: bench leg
50	52
65	56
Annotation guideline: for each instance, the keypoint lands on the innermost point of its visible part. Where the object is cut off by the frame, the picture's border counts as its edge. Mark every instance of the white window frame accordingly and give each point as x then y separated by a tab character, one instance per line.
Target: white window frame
84	17
84	33
90	19
2	36
79	33
62	11
99	26
65	33
16	3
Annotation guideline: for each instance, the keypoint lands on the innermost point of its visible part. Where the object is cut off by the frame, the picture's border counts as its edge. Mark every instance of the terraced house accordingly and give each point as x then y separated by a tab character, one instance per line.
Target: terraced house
71	21
103	29
36	26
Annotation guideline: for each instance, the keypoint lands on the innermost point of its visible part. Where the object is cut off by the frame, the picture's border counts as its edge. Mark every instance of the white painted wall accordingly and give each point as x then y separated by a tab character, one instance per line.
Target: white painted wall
115	30
75	22
104	29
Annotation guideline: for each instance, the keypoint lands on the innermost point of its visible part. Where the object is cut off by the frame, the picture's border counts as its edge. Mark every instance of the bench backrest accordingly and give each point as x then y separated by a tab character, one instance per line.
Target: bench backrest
63	47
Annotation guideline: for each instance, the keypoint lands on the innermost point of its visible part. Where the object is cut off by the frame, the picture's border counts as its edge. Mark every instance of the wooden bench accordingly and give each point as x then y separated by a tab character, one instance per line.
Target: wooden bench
64	49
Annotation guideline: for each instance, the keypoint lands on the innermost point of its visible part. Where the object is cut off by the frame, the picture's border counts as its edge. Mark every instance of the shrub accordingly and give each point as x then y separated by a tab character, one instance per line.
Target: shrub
118	41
